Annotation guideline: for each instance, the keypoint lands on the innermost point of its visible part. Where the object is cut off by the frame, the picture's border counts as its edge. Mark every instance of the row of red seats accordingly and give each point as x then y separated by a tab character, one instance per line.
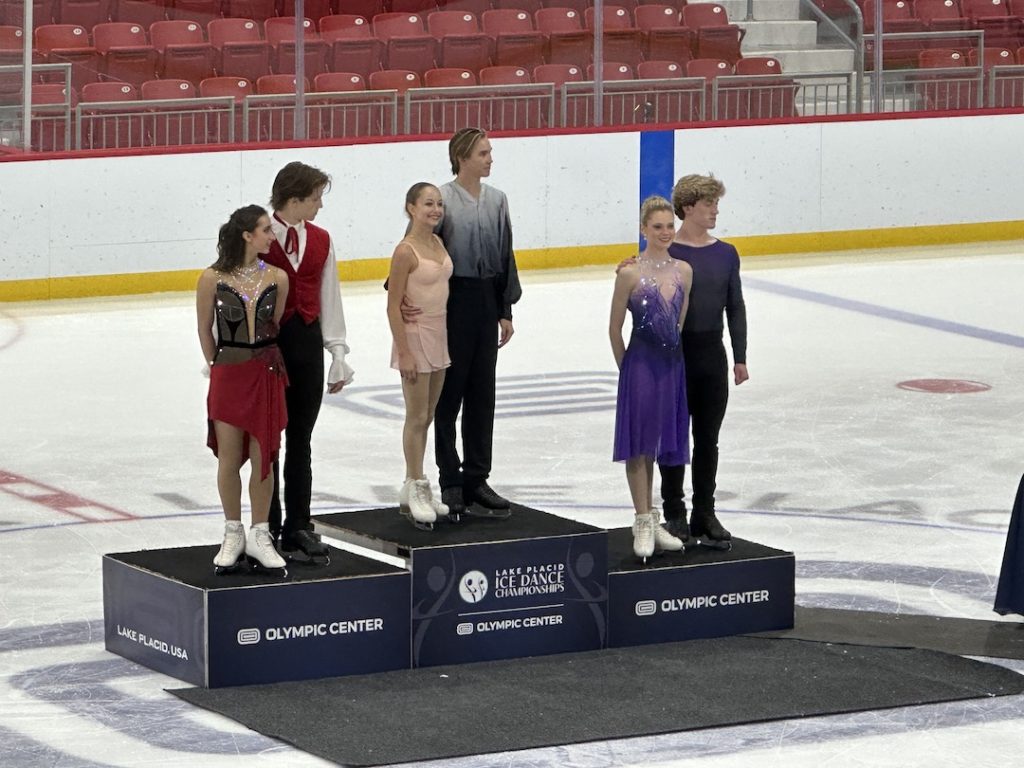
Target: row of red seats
90	12
161	124
122	51
1001	20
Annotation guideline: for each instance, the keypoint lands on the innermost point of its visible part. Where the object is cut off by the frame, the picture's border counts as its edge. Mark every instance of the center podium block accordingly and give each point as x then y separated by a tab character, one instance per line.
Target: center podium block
485	589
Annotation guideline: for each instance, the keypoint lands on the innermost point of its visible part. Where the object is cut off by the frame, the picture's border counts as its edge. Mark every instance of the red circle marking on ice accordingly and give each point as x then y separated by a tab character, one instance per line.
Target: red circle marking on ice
944	386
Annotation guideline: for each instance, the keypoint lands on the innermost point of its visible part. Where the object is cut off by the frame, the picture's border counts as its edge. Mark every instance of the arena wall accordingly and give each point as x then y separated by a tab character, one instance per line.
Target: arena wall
87	226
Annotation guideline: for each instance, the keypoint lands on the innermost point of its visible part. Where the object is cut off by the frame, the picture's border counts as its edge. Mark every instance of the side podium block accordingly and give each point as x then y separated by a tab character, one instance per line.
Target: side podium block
699	593
492	589
167	610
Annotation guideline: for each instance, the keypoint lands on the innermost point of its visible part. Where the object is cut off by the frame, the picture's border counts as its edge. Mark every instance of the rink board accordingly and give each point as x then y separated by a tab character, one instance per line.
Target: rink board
530	585
166	610
700	593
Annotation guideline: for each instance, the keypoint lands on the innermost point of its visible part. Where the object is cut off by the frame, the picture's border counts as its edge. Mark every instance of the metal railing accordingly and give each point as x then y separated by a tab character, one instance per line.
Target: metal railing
765	97
1005	86
514	107
635	102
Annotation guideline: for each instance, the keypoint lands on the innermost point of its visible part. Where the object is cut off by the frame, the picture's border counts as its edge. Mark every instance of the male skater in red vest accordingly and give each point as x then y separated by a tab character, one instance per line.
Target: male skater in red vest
313	321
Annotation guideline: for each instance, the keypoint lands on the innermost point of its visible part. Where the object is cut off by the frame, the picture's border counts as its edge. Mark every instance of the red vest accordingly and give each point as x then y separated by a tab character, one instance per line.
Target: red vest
304	285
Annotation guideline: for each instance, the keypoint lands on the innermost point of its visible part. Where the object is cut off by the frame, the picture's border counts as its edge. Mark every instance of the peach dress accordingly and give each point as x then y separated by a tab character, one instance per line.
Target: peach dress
427	288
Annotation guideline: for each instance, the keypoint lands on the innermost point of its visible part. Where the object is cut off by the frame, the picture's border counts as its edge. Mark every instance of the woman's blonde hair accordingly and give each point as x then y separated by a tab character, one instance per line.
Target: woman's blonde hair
690	189
651	206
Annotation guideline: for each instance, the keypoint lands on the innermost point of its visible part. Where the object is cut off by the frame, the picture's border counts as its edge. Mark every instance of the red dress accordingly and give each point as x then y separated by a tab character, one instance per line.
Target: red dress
247	379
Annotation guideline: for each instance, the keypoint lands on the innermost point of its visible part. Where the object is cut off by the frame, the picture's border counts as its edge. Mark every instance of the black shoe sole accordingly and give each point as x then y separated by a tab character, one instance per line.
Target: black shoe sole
486	513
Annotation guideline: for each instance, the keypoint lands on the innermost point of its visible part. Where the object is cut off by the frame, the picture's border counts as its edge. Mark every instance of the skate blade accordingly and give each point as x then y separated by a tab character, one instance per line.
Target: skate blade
260	568
226	570
421	524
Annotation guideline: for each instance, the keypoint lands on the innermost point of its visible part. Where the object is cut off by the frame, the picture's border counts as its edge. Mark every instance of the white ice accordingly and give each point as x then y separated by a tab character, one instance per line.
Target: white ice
892	500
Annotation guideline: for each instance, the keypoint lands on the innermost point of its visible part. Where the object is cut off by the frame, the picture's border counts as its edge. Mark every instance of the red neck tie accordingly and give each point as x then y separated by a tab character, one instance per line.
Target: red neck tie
291	240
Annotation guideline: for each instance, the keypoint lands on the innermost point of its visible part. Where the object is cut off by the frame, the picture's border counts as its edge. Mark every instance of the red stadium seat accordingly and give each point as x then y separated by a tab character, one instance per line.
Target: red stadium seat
280	33
399	80
944	92
313	9
12	13
515	39
11	47
716	37
143	12
529	6
125	53
422	7
505	75
201	11
50	122
339	119
758	65
170	125
1002	29
184	52
612	70
109	92
236	87
406	42
449	77
667	38
461	44
70	43
622	41
574	5
557	73
353	46
660	70
257	10
709	69
87	13
239	51
337	82
102	130
154	90
271	84
365	8
568	41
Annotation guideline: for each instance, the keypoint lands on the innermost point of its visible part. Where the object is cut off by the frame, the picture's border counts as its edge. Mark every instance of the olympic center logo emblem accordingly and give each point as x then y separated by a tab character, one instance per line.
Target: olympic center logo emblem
473	587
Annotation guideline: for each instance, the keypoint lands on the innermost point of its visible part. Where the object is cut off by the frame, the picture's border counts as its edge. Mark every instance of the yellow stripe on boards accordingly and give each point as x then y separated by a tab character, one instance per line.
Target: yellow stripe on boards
540	258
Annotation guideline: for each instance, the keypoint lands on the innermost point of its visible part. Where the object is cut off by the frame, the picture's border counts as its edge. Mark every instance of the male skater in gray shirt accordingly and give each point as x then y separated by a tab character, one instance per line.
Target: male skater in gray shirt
477	232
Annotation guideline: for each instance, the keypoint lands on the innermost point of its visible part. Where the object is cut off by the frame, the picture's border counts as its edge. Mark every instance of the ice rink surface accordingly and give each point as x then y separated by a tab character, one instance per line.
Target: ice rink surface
892	499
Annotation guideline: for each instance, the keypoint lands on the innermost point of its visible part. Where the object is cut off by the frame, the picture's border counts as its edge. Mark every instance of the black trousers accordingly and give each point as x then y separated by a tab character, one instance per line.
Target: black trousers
302	347
468	384
707	395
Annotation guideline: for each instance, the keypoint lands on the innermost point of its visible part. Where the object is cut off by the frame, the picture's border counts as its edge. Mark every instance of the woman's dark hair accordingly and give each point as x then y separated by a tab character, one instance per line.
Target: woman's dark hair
296	180
230	243
414	193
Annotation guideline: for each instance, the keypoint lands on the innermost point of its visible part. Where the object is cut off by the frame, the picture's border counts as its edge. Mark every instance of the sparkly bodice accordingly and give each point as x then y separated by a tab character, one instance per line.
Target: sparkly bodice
244	324
655	317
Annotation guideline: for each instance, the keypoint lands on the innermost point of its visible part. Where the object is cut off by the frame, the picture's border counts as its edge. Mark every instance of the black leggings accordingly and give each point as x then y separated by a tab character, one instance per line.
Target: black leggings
302	347
707	395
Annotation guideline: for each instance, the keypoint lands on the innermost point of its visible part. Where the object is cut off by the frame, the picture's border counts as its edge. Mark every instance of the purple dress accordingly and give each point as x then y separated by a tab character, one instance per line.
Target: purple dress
651	418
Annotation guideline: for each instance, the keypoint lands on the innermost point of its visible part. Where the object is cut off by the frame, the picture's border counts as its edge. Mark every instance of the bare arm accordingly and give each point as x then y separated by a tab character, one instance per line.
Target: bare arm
281	278
206	296
403	261
624	282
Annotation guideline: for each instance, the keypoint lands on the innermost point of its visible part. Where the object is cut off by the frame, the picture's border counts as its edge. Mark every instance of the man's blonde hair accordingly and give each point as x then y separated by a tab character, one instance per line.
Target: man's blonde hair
693	188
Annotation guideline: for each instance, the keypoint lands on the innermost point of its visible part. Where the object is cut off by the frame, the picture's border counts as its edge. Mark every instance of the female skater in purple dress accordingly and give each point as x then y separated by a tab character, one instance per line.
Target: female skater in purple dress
651	420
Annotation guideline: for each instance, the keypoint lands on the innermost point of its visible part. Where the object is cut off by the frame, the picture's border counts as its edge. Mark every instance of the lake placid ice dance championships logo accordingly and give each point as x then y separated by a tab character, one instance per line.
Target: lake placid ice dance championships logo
473	587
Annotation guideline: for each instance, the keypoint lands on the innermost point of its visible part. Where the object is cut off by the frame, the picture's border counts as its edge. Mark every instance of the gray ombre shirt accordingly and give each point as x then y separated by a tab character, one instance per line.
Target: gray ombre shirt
478	236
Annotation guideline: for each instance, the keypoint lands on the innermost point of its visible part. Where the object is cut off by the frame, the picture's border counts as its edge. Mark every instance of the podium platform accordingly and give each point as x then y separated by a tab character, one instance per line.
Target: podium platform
167	610
487	589
698	593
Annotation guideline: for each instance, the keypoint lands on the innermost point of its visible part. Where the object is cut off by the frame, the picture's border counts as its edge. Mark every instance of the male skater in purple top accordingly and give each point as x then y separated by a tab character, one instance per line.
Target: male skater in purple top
716	287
